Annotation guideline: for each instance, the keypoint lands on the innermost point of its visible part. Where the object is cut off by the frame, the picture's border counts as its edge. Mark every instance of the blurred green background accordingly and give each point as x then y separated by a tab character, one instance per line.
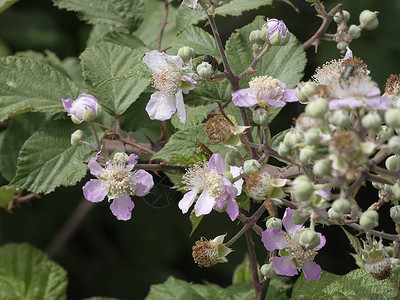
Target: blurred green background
106	257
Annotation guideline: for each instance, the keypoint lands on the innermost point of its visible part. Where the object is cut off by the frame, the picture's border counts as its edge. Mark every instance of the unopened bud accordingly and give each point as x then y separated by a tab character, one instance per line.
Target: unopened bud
392	163
369	219
371	120
395	213
261	116
307	154
283	150
342	206
394	144
395	191
322	167
186	53
302	188
312	136
273	222
290	139
334	215
205	70
251	165
77	136
305	90
355	31
233	158
392	117
369	19
317	108
255	37
275	32
338	18
309	239
267	270
340	118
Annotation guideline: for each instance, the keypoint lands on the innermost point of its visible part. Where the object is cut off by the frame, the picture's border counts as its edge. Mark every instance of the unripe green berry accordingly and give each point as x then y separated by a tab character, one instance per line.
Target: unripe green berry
394	144
77	136
342	206
334	215
317	108
322	167
205	70
338	17
302	188
309	239
251	165
261	116
354	31
312	136
307	154
371	120
392	117
369	19
255	37
186	53
369	219
340	118
392	163
273	222
395	213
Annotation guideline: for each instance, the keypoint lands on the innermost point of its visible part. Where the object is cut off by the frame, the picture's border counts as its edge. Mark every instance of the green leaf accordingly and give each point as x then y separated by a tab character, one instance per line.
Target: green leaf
174	289
284	63
184	142
200	40
357	284
19	130
277	288
27	273
109	64
124	39
277	139
6	195
26	85
195	221
242	272
4	4
354	241
119	13
194	116
48	160
209	92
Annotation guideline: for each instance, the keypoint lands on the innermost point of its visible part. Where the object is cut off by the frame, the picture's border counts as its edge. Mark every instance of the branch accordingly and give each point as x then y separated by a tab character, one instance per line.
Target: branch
164	23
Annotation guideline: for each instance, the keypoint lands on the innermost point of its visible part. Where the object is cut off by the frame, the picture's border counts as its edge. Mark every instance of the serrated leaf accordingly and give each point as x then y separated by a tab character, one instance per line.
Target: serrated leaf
200	40
19	130
242	272
284	63
185	142
27	273
110	65
174	289
277	139
357	284
4	4
194	116
209	92
48	160
123	39
119	13
195	221
6	195
26	85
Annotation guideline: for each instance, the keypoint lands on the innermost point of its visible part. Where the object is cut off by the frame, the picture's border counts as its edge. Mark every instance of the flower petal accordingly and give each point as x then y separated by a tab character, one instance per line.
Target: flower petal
322	242
204	204
180	107
244	98
284	266
274	239
142	182
121	207
288	222
275	103
131	161
67	103
232	208
94	166
94	191
236	171
155	60
312	271
217	161
346	102
160	107
290	96
187	200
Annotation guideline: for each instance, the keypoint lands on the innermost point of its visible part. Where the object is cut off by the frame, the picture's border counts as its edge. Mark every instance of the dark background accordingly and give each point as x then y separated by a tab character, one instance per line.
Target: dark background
106	257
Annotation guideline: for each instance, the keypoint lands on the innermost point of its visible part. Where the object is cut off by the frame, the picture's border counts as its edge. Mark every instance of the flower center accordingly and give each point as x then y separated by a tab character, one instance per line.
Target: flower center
196	177
345	144
215	184
266	87
258	185
166	80
116	179
296	251
355	86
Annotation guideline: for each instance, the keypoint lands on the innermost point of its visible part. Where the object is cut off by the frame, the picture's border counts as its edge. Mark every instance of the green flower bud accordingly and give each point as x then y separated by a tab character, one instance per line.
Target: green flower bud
121	156
299	217
385	133
186	53
342	206
267	270
371	120
260	116
394	144
392	117
395	265
302	188
340	118
307	154
334	215
255	37
317	108
273	222
251	165
395	213
322	167
369	19
290	140
205	70
309	239
89	116
395	191
392	163
304	90
369	219
338	16
312	136
355	31
233	158
283	150
77	136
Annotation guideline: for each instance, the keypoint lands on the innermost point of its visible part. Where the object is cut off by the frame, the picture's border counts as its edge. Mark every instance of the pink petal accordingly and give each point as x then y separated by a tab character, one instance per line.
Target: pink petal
284	266
244	98
217	161
232	208
142	183
346	102
288	222
311	270
160	107
274	239
275	103
187	200
131	162
180	106
204	204
322	241
290	96
121	207
94	191
94	166
67	103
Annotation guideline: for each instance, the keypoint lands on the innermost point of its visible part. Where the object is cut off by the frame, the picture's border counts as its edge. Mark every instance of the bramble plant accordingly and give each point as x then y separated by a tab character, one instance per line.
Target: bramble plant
213	104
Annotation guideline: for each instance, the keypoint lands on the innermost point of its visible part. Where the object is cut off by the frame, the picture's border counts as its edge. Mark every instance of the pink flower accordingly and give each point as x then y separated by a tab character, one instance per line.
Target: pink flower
292	254
276	32
84	108
214	188
117	181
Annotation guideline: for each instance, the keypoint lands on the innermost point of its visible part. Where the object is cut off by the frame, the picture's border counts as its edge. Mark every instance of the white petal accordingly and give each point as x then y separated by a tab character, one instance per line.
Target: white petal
155	60
160	107
204	204
187	200
180	107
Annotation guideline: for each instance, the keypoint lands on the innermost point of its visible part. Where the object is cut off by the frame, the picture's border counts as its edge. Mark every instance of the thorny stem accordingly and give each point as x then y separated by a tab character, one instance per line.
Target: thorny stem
254	63
164	23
